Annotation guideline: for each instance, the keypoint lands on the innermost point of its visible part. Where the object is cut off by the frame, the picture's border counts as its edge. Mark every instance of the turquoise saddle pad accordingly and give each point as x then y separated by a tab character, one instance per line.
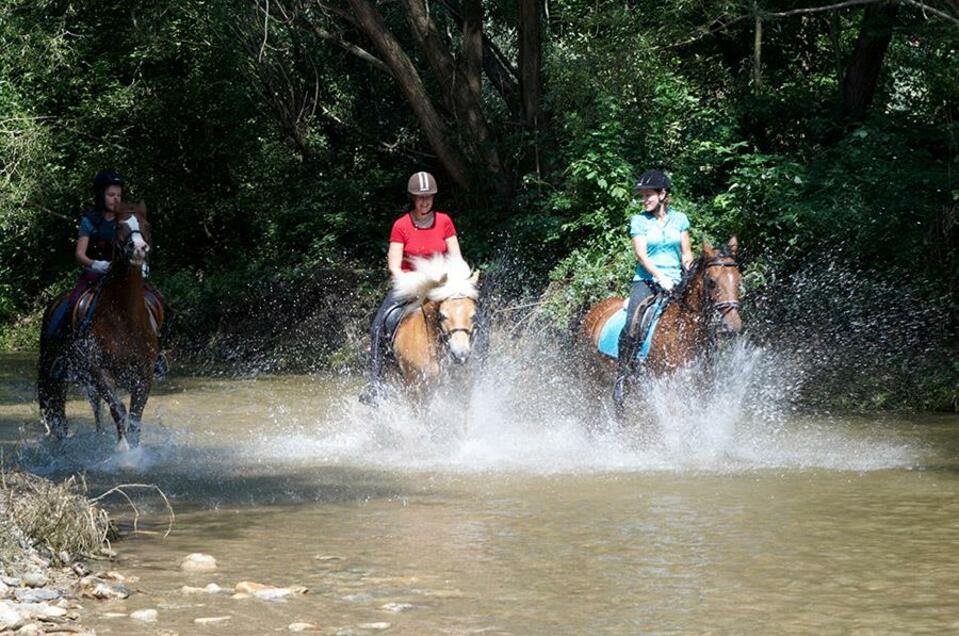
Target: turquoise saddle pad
609	336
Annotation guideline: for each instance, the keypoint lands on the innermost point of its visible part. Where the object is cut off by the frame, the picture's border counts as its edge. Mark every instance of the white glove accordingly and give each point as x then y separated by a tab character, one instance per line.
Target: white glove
666	283
145	270
99	267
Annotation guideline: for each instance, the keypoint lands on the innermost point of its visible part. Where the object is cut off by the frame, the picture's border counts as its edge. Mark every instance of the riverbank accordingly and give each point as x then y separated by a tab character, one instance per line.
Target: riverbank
49	534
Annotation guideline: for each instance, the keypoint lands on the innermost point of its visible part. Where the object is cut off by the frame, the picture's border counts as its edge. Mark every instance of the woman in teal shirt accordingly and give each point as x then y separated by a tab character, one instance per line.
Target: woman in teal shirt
660	238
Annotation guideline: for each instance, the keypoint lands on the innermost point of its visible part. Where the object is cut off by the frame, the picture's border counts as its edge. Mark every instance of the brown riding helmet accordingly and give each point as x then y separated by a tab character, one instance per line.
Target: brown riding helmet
421	184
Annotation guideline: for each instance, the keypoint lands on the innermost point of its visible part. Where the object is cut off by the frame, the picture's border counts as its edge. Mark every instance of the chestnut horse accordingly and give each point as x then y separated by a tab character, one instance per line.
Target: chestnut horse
685	330
438	326
113	347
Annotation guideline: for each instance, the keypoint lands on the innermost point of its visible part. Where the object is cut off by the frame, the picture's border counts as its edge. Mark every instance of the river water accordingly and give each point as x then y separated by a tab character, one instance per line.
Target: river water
722	510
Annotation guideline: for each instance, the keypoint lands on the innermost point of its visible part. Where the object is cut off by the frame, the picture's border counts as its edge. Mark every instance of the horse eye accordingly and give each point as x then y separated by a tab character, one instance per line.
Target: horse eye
443	316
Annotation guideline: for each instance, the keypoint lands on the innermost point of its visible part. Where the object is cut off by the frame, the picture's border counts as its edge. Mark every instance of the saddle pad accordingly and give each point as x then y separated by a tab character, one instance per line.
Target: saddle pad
609	335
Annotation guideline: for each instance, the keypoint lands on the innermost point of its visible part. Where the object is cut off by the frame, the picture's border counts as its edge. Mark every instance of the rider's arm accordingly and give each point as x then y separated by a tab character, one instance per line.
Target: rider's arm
394	258
453	247
81	252
639	247
686	249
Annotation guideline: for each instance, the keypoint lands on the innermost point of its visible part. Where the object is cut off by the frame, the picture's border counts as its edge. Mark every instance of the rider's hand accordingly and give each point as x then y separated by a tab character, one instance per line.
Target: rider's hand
666	283
99	267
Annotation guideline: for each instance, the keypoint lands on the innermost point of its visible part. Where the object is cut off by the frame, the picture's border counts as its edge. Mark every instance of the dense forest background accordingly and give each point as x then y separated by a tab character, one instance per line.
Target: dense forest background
272	140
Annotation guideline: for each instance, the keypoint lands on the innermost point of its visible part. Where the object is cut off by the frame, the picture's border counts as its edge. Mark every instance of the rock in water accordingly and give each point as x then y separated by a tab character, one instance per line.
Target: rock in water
198	562
144	615
267	592
211	588
92	587
301	627
211	620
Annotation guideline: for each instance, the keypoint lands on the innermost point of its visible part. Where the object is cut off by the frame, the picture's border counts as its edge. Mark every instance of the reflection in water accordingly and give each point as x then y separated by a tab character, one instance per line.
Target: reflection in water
735	514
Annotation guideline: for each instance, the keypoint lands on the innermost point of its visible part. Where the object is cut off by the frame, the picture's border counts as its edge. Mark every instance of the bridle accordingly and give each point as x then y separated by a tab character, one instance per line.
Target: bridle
445	335
722	307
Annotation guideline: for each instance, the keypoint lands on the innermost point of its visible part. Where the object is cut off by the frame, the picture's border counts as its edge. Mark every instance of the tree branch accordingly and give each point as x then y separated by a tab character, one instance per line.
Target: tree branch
926	8
361	53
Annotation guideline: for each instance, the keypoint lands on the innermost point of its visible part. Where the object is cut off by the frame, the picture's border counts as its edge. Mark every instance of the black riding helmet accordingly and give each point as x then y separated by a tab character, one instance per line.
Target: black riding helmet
652	180
103	180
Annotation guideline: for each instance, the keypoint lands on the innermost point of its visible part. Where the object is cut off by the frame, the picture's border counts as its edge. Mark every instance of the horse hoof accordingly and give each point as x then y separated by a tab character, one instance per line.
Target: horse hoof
123	446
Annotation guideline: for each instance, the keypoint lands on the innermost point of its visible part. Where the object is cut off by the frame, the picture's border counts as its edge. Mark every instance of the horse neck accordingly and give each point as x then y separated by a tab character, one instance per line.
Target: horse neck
430	309
124	286
693	295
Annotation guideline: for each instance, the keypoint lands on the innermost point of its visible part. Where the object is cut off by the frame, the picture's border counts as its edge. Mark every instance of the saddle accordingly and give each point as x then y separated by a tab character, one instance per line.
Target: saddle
86	305
648	314
394	316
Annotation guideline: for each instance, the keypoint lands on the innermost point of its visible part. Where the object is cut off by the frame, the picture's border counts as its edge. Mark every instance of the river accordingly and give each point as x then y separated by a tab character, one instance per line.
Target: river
522	513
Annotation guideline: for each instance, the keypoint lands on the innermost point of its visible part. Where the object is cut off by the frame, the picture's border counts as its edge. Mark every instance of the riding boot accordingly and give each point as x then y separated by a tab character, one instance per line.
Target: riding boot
374	376
625	364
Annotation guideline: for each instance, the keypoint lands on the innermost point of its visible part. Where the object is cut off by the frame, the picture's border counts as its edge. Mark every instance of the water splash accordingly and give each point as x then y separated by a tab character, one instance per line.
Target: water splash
530	410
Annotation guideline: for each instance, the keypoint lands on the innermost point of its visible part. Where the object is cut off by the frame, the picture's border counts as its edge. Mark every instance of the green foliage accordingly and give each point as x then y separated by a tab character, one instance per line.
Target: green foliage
268	155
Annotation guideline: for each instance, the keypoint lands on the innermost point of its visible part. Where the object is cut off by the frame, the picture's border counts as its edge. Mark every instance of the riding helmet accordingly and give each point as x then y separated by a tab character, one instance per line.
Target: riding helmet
653	180
421	184
105	179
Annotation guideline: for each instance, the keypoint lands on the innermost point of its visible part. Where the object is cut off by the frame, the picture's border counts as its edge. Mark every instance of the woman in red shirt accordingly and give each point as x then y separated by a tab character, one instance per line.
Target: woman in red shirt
422	232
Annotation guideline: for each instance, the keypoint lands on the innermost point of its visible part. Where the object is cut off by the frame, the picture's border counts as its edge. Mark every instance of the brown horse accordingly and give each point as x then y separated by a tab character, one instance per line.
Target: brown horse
685	331
111	342
438	327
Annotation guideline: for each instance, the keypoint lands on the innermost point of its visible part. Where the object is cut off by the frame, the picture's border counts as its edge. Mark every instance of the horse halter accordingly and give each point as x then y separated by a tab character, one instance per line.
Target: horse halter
725	306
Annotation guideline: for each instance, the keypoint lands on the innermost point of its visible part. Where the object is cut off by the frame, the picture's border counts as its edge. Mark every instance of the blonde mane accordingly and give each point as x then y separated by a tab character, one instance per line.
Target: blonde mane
437	279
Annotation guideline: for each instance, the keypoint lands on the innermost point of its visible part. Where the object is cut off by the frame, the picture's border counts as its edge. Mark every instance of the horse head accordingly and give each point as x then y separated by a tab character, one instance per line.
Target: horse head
445	288
722	280
456	322
131	243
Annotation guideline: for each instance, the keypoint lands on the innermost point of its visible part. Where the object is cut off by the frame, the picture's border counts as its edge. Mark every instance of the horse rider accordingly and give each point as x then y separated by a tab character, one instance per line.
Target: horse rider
94	251
660	237
421	232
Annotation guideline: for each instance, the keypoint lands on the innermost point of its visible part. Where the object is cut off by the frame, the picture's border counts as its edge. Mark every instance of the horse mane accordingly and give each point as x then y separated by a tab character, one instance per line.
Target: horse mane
436	279
689	277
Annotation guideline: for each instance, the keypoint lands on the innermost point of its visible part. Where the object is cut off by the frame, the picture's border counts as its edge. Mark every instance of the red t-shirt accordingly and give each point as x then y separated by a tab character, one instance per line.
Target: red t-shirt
422	241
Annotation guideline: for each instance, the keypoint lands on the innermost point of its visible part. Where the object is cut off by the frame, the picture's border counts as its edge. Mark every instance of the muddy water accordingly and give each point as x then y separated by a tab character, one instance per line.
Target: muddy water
505	516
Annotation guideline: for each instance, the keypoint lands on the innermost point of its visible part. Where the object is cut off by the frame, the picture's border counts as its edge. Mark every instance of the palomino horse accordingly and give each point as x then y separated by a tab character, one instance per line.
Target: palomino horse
438	326
113	346
685	330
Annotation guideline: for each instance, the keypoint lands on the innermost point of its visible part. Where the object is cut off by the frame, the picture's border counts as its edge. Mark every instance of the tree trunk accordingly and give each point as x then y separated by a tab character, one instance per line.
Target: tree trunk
462	100
402	69
862	73
530	60
473	46
499	71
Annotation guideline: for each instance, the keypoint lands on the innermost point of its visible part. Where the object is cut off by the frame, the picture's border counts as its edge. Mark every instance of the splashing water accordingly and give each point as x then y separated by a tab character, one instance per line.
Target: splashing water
530	411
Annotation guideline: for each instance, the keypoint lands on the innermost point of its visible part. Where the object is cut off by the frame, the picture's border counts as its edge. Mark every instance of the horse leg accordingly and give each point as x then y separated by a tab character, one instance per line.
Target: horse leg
139	395
106	388
97	405
51	392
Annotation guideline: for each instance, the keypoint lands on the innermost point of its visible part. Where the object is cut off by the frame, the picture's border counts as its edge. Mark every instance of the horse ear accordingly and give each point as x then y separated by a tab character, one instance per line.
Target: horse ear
474	279
141	209
708	250
732	245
